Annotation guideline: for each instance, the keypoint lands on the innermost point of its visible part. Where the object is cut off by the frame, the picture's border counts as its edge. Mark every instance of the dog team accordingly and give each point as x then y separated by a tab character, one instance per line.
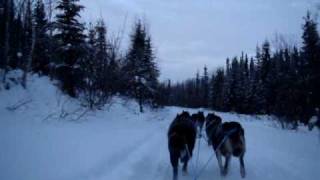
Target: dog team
226	138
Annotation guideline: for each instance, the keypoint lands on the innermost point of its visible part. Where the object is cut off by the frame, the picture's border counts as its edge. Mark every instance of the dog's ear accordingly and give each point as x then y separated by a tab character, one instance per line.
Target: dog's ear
208	115
219	120
178	116
185	113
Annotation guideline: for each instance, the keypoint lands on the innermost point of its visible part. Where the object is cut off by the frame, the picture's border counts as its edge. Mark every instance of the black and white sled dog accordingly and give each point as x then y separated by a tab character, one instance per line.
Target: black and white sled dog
198	119
181	141
227	139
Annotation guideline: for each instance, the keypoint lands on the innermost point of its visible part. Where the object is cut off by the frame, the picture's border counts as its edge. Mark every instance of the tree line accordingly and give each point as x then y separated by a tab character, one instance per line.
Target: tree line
90	65
284	81
87	63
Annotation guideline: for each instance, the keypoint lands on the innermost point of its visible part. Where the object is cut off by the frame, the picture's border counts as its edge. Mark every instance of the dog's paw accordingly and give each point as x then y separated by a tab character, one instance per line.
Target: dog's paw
224	172
243	173
184	173
175	177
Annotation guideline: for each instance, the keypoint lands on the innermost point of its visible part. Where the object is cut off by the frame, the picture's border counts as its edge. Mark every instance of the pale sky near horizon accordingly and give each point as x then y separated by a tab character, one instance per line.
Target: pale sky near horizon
188	34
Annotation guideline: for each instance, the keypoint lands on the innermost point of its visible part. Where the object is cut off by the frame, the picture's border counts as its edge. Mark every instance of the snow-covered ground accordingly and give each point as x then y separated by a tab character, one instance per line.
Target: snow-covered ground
46	136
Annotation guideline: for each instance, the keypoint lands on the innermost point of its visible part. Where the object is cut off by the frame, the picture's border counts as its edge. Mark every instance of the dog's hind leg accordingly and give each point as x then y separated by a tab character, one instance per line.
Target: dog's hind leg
226	165
219	158
228	149
175	173
242	167
189	150
174	158
185	160
185	167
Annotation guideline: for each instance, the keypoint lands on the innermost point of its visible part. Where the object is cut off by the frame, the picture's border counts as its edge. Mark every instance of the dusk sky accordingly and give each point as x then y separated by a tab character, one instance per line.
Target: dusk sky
188	34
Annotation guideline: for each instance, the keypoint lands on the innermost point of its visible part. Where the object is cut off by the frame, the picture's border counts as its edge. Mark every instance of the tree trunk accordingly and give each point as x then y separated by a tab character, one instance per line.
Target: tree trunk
139	95
50	12
140	104
6	45
29	59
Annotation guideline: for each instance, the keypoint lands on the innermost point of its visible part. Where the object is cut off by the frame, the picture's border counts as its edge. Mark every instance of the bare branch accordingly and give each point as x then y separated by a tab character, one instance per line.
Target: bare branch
19	104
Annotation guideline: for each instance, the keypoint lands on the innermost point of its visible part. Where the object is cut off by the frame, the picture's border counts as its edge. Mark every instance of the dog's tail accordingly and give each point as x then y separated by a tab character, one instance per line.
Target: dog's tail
240	146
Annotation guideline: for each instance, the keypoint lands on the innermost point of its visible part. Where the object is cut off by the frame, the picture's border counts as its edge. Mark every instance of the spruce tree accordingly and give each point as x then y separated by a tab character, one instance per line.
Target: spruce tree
88	67
227	87
211	92
152	71
30	36
8	16
253	96
197	91
245	87
114	68
28	23
234	84
70	39
101	58
311	55
218	90
205	87
140	67
17	41
41	61
264	70
2	31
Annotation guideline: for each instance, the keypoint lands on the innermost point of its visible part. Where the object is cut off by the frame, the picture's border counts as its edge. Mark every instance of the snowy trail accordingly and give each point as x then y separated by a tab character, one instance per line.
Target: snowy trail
136	148
270	155
120	143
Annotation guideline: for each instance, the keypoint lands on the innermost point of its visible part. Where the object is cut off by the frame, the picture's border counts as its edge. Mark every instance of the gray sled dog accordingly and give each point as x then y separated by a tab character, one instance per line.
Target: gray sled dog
227	139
